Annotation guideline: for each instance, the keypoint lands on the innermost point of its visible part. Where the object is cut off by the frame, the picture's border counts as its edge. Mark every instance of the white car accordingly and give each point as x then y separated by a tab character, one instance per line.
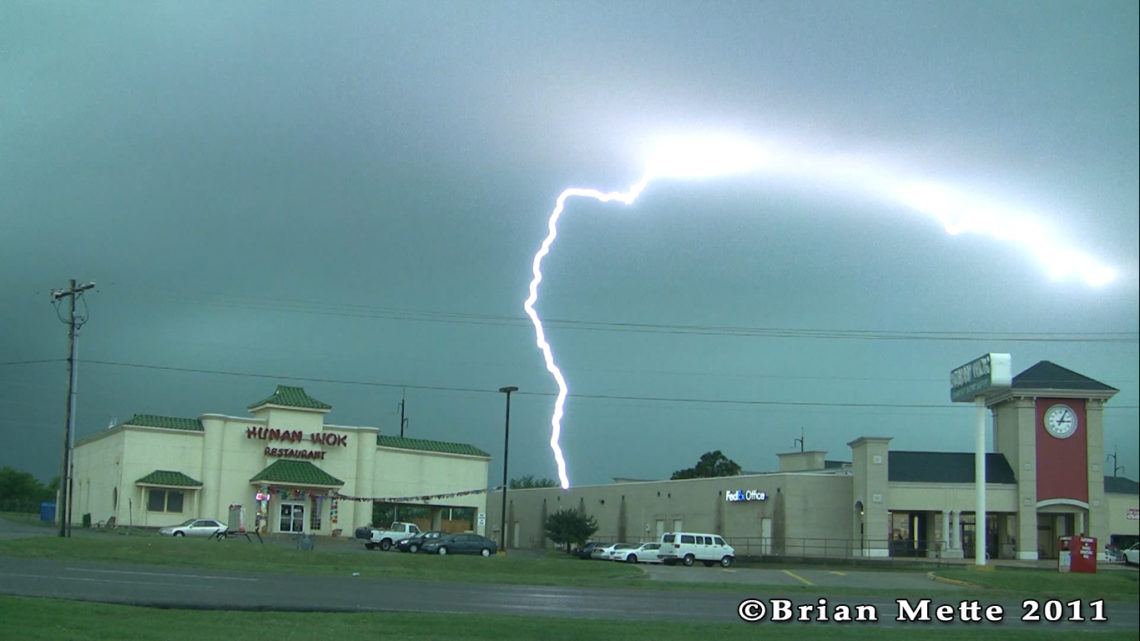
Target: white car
602	552
644	553
1132	555
617	551
195	527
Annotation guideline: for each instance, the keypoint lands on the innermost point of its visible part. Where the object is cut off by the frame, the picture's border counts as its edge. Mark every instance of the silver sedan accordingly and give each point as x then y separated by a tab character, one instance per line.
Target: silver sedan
195	527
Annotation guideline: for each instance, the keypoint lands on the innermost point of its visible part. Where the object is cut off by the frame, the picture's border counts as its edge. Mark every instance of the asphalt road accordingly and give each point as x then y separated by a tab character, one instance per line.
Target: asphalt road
191	588
207	589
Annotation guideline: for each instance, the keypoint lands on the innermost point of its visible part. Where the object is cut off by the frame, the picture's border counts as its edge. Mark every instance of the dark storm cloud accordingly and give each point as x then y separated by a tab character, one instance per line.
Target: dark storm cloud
351	195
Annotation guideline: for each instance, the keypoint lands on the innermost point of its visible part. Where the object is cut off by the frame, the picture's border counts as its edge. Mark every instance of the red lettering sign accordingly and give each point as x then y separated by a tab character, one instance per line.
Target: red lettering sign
295	436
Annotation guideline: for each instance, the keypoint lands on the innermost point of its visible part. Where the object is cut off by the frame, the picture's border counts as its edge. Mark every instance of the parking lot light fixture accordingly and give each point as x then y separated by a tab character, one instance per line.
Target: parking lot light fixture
506	448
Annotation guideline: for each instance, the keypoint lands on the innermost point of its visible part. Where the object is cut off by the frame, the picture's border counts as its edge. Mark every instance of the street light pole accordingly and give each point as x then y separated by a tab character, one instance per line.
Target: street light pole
506	449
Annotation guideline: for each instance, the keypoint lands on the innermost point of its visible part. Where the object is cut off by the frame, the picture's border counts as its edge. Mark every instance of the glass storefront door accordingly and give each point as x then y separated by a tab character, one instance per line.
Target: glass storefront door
292	517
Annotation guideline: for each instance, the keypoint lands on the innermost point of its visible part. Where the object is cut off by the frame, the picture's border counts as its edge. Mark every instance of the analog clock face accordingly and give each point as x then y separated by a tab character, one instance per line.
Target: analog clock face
1061	421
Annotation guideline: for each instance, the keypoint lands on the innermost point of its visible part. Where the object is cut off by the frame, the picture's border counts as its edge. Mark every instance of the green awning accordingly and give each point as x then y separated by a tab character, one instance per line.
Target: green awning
302	473
168	478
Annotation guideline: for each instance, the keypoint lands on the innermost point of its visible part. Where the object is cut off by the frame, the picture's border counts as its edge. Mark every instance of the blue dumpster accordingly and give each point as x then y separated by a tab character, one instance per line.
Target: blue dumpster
47	512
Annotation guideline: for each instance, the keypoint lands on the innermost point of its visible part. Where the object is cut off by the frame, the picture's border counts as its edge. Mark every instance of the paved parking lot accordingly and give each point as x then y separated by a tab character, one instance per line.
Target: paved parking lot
862	579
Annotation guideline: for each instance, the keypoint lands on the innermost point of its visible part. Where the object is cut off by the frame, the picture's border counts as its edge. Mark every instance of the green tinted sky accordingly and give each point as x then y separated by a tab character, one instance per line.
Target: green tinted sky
350	195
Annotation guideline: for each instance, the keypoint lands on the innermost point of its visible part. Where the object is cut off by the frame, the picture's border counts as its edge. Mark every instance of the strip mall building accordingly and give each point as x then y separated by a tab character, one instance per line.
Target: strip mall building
1045	479
283	470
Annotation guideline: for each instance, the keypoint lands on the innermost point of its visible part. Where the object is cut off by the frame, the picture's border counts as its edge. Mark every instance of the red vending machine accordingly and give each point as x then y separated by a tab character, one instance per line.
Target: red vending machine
1082	554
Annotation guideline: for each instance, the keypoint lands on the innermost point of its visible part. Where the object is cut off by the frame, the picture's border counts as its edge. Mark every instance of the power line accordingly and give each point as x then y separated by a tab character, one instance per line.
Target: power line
610	397
435	316
34	362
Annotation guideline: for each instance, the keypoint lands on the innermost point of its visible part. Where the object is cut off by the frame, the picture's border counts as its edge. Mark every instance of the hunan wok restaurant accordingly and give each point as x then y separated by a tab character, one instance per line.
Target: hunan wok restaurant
281	470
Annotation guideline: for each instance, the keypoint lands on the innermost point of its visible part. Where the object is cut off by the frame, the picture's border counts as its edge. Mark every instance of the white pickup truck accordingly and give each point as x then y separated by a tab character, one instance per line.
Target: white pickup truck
386	538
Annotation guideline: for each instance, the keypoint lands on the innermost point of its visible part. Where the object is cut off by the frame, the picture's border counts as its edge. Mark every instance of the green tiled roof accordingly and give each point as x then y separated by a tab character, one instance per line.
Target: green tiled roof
1049	375
292	397
167	477
429	446
295	473
169	422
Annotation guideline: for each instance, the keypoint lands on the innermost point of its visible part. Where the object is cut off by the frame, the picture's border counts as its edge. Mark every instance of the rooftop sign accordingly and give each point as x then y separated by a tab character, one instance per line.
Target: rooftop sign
976	377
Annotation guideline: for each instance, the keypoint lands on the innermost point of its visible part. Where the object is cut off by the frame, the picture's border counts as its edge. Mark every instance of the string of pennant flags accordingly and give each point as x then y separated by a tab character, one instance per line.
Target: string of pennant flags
424	497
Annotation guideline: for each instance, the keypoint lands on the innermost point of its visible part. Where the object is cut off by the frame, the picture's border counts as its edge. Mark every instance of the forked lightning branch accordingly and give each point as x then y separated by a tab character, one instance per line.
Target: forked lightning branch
706	157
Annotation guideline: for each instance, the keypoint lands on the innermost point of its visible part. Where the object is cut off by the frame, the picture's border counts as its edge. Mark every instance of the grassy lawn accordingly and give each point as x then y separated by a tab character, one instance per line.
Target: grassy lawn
30	618
345	558
1113	585
49	620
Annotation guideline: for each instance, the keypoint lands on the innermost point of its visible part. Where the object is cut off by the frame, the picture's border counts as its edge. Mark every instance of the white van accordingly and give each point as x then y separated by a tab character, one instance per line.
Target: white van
688	547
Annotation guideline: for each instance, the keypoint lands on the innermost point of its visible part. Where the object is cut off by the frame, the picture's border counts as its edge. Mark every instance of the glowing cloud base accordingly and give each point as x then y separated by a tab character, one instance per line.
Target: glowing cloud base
708	156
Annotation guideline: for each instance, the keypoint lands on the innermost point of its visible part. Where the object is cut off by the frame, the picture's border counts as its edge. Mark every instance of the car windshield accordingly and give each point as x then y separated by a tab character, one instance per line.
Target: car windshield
185	523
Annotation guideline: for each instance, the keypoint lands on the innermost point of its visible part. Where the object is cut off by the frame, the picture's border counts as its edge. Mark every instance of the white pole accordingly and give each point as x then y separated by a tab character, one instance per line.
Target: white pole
980	481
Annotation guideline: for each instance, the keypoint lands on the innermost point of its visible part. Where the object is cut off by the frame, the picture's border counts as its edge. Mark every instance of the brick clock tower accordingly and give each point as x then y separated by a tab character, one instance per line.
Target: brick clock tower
1049	427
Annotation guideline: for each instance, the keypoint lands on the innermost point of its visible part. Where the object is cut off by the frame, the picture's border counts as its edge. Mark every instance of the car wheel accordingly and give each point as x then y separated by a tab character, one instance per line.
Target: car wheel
443	550
631	558
486	552
726	562
386	545
413	548
689	558
179	533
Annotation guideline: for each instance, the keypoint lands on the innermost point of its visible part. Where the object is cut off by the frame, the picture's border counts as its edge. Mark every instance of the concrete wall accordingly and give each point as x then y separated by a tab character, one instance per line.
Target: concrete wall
1118	521
817	506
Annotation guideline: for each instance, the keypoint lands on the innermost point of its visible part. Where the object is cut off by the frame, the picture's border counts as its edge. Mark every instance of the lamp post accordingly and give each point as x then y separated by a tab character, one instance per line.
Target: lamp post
506	448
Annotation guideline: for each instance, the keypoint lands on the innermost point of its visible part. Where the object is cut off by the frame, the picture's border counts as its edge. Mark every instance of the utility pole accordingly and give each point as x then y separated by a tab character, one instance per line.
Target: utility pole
403	424
73	322
1115	468
403	402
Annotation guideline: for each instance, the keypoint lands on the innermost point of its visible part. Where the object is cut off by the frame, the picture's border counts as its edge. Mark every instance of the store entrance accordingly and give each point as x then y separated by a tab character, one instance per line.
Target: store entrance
292	517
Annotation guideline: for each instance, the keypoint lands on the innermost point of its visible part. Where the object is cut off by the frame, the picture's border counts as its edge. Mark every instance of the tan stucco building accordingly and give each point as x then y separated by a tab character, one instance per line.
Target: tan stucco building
1041	483
281	470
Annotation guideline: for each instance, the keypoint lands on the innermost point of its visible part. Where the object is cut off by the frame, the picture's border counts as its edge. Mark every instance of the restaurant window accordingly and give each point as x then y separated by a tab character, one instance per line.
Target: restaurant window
315	515
164	500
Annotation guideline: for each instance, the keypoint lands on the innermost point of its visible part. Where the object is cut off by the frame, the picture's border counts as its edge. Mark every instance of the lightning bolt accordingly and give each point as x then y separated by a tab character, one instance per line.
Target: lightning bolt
625	197
706	156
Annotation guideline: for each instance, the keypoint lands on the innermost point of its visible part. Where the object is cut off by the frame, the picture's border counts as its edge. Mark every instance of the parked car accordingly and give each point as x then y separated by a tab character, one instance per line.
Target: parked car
644	553
467	543
385	538
195	527
1132	555
619	550
602	551
414	543
689	547
586	550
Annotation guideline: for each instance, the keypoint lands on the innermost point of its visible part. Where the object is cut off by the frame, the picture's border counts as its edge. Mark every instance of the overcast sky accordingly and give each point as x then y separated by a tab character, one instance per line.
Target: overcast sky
348	197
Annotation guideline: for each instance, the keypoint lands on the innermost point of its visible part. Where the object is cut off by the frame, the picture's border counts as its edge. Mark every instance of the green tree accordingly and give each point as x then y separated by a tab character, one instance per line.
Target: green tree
20	491
711	465
568	527
528	482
